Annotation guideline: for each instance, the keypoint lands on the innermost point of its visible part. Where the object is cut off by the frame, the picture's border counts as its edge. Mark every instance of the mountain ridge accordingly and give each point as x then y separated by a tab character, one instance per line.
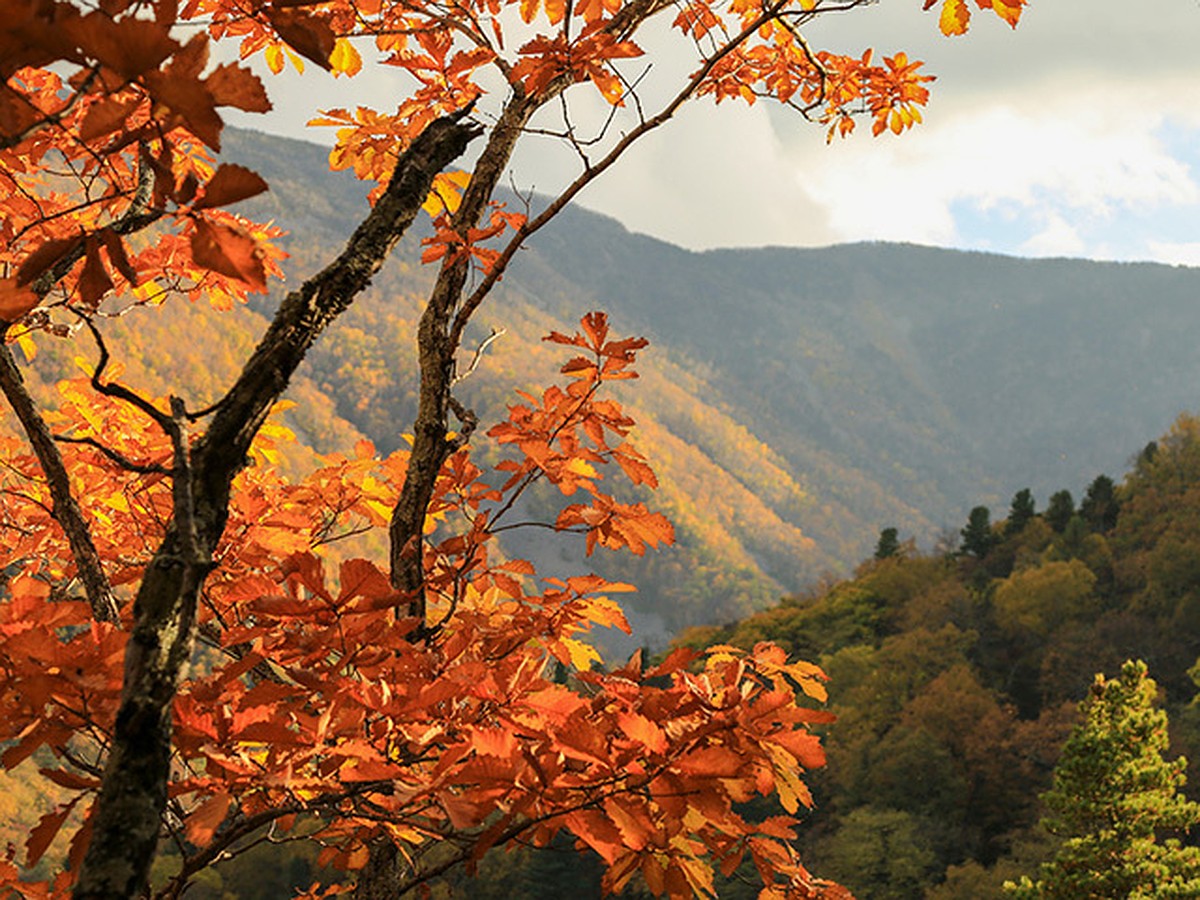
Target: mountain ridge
794	400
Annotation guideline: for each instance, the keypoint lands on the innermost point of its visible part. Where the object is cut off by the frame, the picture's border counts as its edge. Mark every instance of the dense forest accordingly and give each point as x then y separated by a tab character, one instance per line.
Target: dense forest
956	674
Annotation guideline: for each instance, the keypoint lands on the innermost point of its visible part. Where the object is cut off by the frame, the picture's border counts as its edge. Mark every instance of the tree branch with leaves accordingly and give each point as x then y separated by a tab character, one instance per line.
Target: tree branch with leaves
384	710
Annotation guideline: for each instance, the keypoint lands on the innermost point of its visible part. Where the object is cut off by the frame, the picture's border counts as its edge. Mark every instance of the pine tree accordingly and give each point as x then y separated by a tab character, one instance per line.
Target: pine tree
1021	512
1060	510
1099	507
1113	795
888	544
977	536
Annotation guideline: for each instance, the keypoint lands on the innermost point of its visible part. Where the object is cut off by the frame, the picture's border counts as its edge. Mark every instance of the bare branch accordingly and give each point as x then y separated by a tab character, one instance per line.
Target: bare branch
65	508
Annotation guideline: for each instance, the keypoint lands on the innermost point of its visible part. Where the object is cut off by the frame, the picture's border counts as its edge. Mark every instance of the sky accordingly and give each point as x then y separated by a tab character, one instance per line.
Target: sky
1076	134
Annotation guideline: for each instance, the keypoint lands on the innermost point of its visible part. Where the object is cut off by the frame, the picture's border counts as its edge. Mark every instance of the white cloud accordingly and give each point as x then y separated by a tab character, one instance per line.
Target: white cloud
1056	238
1178	253
1076	133
1062	157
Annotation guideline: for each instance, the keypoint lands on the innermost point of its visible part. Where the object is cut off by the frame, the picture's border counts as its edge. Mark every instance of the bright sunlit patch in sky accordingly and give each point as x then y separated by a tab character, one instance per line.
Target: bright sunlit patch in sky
1145	206
1078	134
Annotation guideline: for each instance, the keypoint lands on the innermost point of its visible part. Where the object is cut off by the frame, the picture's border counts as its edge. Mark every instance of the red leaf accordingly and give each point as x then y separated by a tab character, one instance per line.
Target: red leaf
15	300
192	101
228	251
105	117
308	35
44	832
118	256
202	824
43	258
131	47
230	184
72	780
94	280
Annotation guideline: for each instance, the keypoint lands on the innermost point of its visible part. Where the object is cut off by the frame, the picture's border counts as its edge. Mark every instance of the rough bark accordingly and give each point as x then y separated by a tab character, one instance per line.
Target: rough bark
134	790
437	344
64	507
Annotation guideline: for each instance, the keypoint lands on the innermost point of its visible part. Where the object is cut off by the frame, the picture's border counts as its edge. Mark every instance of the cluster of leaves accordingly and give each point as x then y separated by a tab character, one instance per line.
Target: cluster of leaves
957	673
315	709
109	141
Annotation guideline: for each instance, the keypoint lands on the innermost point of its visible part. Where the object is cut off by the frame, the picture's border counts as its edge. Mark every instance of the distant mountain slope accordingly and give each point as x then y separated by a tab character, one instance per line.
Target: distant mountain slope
796	401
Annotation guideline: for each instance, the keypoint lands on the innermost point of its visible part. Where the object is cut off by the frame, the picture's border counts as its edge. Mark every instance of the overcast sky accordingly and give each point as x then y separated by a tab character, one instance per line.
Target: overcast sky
1077	134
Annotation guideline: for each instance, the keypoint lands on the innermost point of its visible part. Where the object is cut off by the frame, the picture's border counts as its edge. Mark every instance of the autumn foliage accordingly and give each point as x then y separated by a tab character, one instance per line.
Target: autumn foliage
313	708
180	652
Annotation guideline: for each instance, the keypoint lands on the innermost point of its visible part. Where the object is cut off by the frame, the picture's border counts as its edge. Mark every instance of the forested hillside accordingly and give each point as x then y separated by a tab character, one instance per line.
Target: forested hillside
955	676
796	401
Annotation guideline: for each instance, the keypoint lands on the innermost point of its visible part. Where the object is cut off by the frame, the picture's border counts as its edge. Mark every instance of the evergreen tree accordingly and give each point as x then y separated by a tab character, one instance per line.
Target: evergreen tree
1099	507
977	536
1060	510
889	543
1113	794
1020	513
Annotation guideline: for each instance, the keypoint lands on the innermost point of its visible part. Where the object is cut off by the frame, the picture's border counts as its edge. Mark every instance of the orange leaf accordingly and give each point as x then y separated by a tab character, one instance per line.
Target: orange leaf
229	251
711	762
362	578
230	184
202	824
236	86
44	832
15	300
494	742
638	728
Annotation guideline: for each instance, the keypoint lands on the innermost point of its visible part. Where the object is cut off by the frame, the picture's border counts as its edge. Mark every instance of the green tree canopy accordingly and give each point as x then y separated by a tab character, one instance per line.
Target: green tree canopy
1113	796
1060	510
889	543
1021	512
977	536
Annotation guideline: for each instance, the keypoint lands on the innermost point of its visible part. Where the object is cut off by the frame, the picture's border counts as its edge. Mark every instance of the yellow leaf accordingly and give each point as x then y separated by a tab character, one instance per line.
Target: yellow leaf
379	513
27	345
580	467
955	17
149	292
792	791
345	60
274	57
604	612
582	654
446	193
